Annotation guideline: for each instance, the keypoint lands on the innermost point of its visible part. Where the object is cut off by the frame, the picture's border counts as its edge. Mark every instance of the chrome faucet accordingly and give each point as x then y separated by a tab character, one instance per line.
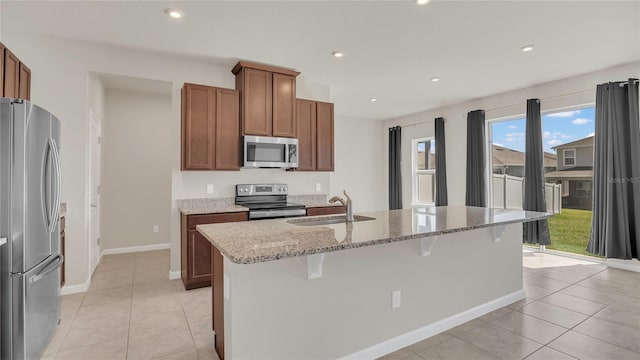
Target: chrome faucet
346	203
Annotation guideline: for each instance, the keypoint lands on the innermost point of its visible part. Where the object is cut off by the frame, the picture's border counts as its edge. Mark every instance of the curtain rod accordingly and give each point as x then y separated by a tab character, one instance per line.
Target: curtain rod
628	82
509	106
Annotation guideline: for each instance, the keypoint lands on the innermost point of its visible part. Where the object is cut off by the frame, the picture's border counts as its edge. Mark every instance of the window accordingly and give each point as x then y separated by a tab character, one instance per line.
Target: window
569	156
424	171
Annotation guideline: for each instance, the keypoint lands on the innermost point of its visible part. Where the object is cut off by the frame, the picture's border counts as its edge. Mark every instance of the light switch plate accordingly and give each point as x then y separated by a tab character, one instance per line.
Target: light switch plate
209	188
318	187
395	299
156	228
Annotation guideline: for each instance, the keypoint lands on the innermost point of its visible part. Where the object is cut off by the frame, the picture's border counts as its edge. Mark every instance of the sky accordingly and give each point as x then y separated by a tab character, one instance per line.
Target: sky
557	128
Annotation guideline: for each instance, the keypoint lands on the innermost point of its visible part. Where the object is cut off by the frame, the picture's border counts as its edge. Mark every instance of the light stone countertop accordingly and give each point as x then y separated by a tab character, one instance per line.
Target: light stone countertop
209	206
225	205
267	240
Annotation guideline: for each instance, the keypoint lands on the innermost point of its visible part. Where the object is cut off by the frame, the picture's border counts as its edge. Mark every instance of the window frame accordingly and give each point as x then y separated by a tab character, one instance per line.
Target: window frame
415	172
574	157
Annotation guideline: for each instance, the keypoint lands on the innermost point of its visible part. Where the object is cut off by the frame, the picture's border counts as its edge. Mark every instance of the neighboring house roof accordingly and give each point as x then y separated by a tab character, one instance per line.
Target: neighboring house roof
570	174
588	141
503	156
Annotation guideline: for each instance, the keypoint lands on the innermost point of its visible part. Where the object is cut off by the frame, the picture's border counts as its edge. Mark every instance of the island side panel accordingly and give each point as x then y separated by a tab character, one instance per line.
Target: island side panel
274	312
217	296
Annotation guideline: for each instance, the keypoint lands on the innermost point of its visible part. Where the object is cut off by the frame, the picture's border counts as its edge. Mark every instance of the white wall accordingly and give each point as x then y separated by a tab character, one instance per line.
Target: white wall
359	163
136	173
577	91
61	72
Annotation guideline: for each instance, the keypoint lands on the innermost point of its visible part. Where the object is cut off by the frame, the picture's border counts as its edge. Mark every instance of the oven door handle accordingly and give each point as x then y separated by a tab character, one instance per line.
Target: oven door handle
261	214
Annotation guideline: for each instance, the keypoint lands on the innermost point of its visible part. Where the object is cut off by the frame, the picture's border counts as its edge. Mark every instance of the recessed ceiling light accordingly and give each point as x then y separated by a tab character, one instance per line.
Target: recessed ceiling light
435	79
373	99
527	48
337	54
174	13
422	2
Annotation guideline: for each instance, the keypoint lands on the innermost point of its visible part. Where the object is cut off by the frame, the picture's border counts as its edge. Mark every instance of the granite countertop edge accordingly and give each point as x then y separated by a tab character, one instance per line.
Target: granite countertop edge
227	205
347	246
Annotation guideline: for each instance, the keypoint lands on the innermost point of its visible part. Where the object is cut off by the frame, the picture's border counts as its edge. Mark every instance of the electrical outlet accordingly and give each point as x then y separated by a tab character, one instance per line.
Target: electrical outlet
318	187
395	299
156	228
209	188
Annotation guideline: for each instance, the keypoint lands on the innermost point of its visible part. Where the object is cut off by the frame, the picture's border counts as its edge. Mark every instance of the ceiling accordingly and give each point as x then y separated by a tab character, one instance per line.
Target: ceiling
392	48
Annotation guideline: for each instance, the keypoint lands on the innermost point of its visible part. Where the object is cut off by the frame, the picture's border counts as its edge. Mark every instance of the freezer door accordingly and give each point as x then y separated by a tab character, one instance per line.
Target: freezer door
36	186
37	314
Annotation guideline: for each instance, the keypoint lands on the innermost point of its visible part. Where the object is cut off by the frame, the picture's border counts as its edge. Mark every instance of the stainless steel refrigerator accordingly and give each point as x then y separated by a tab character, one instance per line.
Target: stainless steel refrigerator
29	228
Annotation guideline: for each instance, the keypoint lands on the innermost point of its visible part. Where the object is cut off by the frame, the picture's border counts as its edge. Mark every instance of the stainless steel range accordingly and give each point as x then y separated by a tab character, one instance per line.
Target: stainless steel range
267	201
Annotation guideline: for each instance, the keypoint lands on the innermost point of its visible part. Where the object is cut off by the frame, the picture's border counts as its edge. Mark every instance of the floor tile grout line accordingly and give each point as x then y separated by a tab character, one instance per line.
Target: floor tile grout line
483	350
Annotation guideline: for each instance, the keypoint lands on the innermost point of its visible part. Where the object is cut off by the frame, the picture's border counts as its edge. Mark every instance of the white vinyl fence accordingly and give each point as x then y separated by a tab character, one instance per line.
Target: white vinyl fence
508	193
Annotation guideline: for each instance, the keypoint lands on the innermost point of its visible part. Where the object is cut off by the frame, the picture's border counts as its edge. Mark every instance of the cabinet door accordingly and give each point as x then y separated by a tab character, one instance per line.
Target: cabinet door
256	102
199	257
2	48
25	82
325	136
227	130
198	130
284	105
11	75
306	119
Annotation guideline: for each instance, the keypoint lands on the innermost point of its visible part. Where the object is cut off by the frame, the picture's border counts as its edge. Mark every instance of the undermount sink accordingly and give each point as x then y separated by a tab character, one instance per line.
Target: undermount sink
327	220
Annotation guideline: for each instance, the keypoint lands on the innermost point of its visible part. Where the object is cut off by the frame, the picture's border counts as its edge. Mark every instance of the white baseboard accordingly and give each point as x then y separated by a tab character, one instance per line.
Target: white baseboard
174	275
133	249
574	256
75	289
630	265
435	328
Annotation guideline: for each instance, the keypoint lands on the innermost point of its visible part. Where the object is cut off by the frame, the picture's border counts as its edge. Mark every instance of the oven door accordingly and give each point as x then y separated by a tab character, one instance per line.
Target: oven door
270	152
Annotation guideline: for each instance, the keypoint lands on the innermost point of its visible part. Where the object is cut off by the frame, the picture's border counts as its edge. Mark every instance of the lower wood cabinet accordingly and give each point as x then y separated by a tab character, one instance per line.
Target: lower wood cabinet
196	250
326	210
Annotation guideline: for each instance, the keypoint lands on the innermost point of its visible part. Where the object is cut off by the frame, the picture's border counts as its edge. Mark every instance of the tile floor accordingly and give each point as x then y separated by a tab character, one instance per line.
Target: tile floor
574	310
132	311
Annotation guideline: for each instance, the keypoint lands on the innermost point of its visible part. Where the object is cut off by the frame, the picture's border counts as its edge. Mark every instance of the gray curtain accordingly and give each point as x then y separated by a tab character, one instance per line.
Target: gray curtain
476	162
395	178
615	226
534	197
441	164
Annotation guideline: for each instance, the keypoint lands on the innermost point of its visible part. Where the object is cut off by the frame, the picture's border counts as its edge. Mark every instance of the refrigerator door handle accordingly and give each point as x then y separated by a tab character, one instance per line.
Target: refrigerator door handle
49	268
56	201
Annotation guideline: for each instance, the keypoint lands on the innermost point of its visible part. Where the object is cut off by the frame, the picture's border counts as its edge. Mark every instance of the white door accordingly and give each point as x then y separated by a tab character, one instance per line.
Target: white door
95	146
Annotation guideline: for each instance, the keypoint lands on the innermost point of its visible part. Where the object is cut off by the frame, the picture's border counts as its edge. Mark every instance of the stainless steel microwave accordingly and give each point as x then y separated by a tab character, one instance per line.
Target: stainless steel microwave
270	152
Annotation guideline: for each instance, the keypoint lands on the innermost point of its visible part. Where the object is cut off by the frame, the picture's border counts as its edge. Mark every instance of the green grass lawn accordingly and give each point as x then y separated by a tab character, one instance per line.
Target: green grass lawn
570	231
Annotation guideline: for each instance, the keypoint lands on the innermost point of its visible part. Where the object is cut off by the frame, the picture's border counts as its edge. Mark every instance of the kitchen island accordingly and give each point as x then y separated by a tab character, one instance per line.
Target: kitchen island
307	288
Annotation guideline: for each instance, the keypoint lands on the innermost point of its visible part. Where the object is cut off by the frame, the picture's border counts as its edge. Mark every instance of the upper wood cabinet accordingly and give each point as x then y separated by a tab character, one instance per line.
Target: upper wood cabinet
210	128
2	49
268	99
324	136
306	119
315	136
15	77
11	75
24	90
284	105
